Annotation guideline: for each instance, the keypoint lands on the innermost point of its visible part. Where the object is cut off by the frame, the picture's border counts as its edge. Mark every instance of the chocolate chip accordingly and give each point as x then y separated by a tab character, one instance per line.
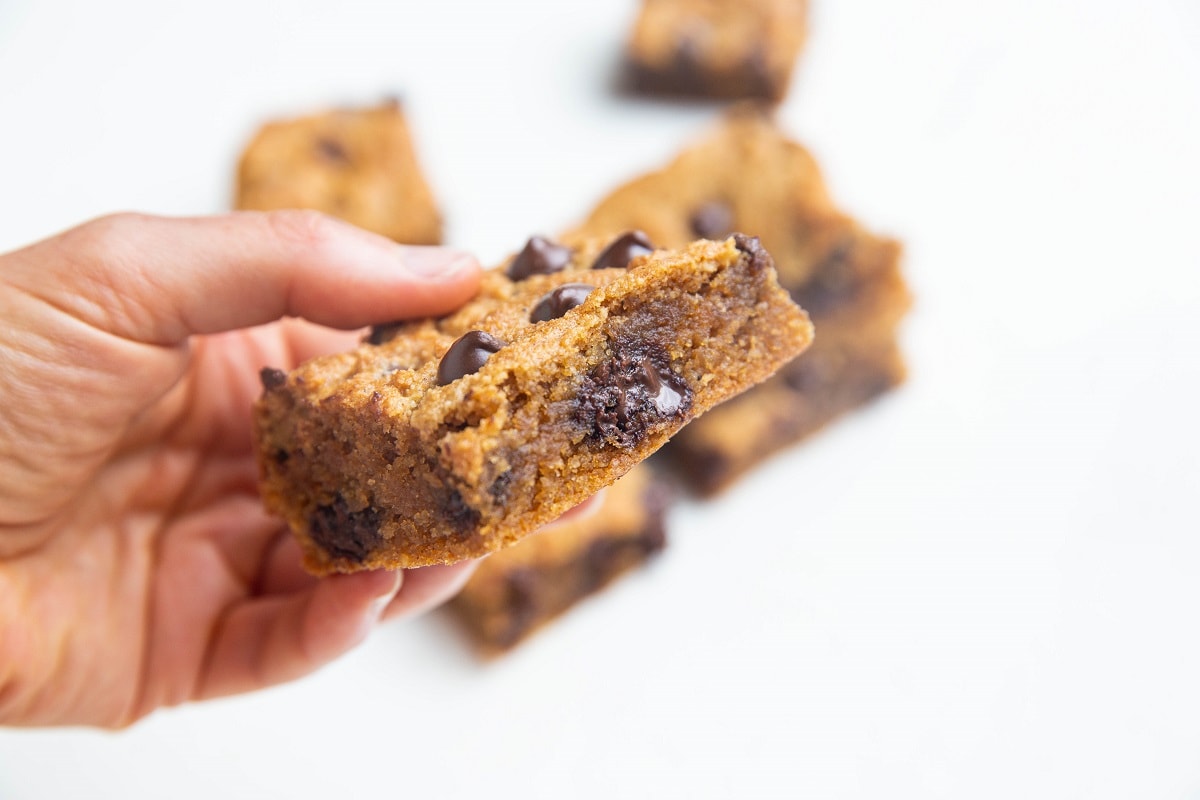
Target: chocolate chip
521	600
833	282
560	301
687	72
382	334
470	352
760	259
540	256
625	249
624	397
654	537
707	469
344	533
808	374
460	515
760	82
272	378
603	559
332	150
713	220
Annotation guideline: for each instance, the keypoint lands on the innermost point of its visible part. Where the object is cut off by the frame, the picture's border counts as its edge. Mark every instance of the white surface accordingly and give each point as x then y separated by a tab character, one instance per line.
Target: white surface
987	586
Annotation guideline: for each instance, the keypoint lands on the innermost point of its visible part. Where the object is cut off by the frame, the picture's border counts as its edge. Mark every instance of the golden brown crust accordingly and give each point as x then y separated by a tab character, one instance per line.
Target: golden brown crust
376	465
355	164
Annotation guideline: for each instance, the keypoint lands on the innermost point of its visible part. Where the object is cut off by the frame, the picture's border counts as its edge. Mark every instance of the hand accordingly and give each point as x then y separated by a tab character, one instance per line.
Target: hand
137	567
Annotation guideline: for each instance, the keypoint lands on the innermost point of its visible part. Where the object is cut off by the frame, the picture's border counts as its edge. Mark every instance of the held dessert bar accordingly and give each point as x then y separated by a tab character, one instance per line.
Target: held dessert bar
441	440
721	49
747	175
519	589
355	164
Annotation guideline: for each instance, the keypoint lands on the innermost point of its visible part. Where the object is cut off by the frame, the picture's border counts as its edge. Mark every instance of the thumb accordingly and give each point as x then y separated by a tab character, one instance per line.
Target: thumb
157	281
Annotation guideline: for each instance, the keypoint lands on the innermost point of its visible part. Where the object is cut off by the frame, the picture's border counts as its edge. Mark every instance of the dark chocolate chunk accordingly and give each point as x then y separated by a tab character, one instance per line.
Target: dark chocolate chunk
560	301
624	397
540	256
833	282
470	352
760	259
500	486
625	249
332	150
461	515
382	334
759	82
272	378
713	220
343	533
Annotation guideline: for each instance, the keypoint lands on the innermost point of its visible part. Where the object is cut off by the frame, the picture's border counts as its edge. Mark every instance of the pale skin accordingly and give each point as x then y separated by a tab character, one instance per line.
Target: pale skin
137	566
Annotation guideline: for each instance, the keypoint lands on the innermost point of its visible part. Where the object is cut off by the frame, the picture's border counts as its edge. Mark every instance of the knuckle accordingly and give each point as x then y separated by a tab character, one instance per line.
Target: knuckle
112	231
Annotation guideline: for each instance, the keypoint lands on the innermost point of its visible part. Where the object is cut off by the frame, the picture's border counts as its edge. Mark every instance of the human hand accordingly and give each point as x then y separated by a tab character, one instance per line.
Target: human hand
137	567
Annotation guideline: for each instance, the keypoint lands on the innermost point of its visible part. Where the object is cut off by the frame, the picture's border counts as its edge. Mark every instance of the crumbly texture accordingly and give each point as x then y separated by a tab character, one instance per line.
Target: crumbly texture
721	49
747	175
355	164
518	590
447	439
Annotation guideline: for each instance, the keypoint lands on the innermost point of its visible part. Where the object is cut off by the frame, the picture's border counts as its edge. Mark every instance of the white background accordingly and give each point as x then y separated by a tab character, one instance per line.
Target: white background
987	586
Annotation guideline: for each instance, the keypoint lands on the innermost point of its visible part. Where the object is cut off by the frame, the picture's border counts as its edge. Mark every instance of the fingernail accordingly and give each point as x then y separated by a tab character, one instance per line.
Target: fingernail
380	604
436	262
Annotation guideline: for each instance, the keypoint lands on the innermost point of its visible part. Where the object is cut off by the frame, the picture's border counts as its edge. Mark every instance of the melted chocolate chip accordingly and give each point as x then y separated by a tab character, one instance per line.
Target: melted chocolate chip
713	220
540	256
272	378
470	352
560	301
760	259
460	515
623	398
344	533
625	249
332	150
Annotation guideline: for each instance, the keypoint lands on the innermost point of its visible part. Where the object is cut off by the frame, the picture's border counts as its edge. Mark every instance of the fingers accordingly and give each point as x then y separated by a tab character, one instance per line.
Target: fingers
428	587
159	280
272	640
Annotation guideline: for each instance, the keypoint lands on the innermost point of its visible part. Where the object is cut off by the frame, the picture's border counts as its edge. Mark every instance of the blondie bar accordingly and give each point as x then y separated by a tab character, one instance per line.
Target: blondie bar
747	175
441	440
355	164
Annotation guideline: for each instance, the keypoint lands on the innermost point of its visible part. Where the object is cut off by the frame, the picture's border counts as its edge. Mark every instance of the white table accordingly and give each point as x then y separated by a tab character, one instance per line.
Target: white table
986	586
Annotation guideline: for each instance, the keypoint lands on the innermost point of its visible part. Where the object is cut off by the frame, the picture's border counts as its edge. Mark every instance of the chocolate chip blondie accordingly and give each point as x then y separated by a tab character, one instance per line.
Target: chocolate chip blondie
716	48
356	164
519	589
747	175
441	440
